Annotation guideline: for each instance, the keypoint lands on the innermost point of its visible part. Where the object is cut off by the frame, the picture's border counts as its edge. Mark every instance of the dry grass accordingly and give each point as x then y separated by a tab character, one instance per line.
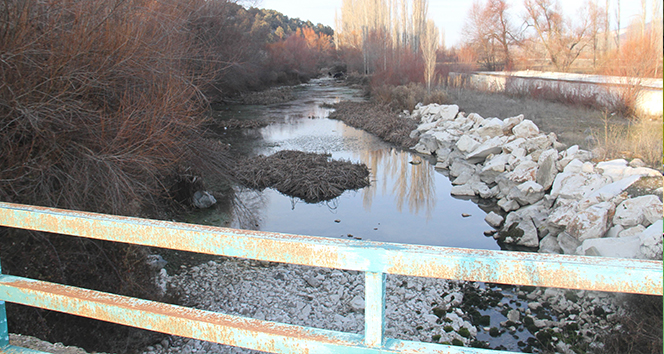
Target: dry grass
641	327
377	119
641	139
311	177
405	97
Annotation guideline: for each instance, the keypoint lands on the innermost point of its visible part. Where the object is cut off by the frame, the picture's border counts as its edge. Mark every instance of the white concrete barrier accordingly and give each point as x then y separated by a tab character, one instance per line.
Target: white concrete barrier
605	91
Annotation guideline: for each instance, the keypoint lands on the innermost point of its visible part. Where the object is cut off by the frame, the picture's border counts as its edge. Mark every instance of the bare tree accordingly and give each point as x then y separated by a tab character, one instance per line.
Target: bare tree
596	16
562	42
429	46
490	33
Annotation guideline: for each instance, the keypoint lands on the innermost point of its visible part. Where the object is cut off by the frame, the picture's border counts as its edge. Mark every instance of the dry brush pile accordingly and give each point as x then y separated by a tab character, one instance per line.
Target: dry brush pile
377	120
308	176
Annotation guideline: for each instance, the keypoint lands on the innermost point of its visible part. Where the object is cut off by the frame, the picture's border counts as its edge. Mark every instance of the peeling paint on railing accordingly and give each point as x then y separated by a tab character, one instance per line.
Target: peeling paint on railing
374	258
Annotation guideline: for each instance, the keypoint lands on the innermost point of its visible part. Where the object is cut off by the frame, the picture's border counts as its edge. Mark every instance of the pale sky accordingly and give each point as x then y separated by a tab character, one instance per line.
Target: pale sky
448	14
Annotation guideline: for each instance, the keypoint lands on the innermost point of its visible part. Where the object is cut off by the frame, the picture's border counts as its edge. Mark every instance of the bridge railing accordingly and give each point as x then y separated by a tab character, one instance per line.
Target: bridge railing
375	259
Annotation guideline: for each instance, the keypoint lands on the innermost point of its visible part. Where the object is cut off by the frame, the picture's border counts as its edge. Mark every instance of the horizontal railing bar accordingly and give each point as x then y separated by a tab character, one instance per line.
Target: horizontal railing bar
200	324
11	349
505	267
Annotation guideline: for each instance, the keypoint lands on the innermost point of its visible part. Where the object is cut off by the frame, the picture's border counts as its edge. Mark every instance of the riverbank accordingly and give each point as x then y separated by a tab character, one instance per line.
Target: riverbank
458	313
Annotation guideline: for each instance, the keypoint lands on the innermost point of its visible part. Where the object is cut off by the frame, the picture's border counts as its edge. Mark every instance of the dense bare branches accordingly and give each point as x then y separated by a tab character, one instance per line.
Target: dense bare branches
429	45
491	34
562	41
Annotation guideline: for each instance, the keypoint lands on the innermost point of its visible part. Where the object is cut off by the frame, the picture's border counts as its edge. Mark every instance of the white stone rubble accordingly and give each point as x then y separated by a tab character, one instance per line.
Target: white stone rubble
512	161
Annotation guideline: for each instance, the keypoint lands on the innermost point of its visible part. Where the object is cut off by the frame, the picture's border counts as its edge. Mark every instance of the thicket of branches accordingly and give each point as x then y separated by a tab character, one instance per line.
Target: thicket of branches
102	107
544	37
393	40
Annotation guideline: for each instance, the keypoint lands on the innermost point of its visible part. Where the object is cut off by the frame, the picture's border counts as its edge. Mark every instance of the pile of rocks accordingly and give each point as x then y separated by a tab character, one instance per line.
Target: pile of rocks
314	297
420	309
555	198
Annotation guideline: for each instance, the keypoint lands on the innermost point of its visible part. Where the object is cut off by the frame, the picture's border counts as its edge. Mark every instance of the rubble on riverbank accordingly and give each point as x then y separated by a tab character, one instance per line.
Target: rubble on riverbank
554	198
420	309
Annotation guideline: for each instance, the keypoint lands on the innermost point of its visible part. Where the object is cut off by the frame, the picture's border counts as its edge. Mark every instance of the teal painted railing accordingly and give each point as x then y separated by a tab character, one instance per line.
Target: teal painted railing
375	259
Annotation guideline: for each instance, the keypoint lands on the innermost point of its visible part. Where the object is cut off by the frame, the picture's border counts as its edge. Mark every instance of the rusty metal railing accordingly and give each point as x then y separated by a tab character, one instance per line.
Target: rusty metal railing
375	259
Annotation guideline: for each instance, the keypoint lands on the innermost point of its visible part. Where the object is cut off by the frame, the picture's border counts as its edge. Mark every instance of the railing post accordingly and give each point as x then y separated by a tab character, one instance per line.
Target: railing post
374	309
4	330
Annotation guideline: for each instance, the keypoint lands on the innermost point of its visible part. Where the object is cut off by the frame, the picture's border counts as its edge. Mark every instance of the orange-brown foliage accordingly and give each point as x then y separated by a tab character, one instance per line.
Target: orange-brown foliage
97	101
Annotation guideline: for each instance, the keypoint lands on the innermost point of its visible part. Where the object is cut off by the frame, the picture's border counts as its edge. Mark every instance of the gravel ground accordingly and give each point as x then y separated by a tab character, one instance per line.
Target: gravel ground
38	344
420	309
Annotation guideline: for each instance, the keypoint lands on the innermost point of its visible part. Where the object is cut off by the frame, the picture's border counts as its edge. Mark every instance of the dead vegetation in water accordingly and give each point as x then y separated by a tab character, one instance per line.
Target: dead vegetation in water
378	120
311	177
270	96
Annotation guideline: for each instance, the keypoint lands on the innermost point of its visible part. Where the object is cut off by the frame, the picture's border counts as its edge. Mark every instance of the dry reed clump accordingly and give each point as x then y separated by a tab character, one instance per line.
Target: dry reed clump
378	120
640	138
308	176
267	97
640	328
406	97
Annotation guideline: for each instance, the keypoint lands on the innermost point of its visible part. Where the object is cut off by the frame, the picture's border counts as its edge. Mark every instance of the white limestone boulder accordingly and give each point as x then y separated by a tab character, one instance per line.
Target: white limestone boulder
490	128
546	168
466	144
508	205
494	219
549	244
540	142
462	190
568	243
651	241
524	171
632	231
513	144
491	146
592	222
519	230
626	247
563	212
525	129
569	185
494	167
642	210
460	166
510	123
608	192
529	192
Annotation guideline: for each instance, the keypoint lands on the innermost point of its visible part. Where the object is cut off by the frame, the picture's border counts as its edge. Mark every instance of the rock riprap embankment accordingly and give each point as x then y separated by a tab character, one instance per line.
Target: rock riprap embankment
420	309
554	198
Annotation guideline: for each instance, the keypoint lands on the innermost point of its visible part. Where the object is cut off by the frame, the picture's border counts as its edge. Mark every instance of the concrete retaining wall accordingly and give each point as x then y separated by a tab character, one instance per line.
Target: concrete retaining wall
605	91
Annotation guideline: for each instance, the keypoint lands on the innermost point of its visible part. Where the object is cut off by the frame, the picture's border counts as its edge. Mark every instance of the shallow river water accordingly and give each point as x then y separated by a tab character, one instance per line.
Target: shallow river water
408	201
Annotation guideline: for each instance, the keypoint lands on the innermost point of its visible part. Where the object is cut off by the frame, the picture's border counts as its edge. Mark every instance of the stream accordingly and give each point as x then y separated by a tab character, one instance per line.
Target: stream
408	201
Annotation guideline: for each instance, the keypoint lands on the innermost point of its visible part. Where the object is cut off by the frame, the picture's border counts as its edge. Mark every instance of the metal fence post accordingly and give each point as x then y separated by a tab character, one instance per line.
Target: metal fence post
374	309
4	330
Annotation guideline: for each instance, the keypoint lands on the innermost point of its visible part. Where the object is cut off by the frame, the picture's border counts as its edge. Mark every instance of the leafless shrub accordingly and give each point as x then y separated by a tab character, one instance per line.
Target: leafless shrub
97	102
376	119
640	329
405	97
641	138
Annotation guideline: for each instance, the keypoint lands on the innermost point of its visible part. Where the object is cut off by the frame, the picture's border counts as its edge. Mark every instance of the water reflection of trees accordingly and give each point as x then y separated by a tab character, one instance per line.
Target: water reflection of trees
413	184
